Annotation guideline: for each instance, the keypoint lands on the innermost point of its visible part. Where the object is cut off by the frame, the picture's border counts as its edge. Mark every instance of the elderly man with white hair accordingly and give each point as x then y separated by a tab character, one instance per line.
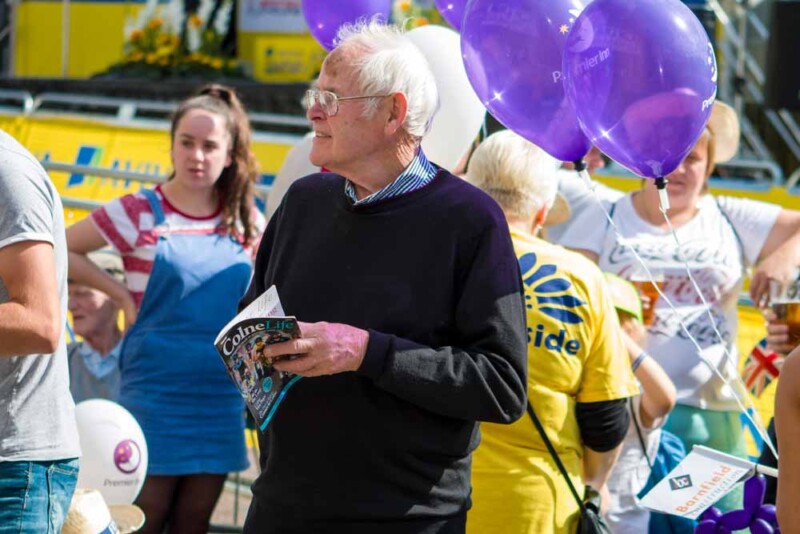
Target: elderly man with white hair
415	327
579	372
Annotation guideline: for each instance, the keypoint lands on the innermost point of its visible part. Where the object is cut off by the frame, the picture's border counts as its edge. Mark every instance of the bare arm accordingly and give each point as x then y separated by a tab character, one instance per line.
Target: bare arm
82	238
658	395
780	255
787	428
30	322
597	466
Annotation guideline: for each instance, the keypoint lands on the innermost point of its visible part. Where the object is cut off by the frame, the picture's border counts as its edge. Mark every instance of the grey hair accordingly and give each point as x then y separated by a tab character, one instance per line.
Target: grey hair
391	63
517	174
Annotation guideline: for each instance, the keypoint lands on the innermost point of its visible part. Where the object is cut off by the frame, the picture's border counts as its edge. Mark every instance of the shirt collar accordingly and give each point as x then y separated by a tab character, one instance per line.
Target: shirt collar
417	174
87	351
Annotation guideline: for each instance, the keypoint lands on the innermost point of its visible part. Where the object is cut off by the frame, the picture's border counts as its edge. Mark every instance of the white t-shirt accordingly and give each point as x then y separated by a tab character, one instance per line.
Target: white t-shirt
630	474
579	197
714	254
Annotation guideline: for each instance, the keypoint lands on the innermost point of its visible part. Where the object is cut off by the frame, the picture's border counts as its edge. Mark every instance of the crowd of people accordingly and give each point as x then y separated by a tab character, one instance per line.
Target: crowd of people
479	358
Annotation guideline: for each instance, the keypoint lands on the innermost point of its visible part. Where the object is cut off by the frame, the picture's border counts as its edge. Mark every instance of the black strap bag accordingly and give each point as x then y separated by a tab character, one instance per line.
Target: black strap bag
591	522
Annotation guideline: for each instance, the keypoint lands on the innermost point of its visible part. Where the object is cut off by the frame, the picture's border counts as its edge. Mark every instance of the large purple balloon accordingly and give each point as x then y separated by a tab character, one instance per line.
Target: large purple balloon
512	51
642	78
452	11
324	17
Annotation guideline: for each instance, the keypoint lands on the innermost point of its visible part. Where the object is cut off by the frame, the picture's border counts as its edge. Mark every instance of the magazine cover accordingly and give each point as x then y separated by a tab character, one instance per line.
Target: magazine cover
241	345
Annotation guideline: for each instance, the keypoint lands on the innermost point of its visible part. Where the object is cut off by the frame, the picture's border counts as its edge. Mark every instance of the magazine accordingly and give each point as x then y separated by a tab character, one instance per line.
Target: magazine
241	343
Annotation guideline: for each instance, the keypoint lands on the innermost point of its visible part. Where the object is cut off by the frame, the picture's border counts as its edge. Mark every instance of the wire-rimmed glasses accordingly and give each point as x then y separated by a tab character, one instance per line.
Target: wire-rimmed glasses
329	102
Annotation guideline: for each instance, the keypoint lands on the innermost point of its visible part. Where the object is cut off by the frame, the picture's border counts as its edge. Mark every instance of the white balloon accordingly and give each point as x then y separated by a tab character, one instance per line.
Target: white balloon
461	113
296	165
113	451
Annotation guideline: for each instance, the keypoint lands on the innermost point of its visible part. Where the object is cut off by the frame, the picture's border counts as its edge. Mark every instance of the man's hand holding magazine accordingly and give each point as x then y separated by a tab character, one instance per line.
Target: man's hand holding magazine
324	349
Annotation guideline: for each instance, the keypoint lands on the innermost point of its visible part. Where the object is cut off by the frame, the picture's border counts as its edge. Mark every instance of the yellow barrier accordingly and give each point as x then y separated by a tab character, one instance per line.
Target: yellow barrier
103	144
751	331
773	194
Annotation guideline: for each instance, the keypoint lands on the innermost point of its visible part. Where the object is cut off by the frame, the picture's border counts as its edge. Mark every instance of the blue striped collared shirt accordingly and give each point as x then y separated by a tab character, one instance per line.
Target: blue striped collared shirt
418	174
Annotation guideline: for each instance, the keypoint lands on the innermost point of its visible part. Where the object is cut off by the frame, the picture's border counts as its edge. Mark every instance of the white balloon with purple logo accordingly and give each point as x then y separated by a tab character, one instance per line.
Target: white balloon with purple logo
113	451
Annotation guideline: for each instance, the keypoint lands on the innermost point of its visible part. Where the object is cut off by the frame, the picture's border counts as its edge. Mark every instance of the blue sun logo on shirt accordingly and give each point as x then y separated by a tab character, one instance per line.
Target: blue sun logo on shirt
550	291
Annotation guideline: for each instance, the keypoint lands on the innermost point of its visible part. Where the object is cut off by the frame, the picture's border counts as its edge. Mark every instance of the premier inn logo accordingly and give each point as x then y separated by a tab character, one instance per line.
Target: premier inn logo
681	482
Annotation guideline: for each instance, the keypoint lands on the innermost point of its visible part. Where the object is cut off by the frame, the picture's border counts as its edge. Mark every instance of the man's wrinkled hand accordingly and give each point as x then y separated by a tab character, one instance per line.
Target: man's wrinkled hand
324	349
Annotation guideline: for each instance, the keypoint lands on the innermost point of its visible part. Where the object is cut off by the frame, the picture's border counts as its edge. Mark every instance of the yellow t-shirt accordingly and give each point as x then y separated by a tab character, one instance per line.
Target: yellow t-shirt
575	354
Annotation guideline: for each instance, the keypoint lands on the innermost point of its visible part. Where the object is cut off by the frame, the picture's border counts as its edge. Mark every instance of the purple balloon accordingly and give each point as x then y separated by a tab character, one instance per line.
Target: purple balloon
736	519
452	11
642	79
759	526
324	17
712	514
768	513
512	51
707	526
754	490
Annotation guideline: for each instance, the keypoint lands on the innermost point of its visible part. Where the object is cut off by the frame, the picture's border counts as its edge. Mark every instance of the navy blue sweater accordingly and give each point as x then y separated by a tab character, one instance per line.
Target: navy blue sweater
433	277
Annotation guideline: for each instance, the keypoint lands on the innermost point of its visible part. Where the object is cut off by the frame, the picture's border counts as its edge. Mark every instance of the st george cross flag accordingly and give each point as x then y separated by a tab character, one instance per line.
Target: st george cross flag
761	367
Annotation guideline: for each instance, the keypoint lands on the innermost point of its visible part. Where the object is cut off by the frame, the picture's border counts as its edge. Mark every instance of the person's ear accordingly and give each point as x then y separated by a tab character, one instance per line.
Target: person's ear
539	217
397	113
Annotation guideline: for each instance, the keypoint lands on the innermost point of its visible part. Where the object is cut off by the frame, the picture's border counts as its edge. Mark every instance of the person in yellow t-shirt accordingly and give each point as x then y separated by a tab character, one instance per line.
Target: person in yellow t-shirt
579	375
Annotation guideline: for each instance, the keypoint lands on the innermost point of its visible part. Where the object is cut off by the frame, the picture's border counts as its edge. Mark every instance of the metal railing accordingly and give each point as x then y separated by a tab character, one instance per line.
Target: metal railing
769	168
115	174
126	110
745	77
22	100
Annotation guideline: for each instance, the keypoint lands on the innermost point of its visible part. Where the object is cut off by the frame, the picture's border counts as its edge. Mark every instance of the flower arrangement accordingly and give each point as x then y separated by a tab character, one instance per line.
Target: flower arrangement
163	42
415	13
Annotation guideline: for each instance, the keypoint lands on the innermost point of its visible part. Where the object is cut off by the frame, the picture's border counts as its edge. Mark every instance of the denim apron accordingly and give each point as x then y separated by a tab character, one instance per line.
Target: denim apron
173	380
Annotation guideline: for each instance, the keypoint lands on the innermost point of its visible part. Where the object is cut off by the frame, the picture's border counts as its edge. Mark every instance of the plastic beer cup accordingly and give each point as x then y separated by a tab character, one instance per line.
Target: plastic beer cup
648	291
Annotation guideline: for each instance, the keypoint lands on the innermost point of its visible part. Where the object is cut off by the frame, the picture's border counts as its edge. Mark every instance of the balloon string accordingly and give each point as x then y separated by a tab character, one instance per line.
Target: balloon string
624	242
663	196
742	389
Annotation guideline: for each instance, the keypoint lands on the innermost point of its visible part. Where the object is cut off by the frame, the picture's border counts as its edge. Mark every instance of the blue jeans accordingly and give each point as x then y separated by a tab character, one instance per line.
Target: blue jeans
35	496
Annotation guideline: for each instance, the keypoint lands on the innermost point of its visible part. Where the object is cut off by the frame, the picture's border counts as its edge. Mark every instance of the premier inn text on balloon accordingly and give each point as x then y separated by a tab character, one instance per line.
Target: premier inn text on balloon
117	483
585	65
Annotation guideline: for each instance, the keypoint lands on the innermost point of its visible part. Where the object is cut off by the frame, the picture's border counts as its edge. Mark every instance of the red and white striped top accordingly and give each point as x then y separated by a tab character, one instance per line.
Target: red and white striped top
128	225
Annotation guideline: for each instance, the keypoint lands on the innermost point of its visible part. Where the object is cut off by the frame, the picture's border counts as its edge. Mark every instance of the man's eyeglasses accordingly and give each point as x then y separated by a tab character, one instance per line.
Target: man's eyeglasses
329	102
